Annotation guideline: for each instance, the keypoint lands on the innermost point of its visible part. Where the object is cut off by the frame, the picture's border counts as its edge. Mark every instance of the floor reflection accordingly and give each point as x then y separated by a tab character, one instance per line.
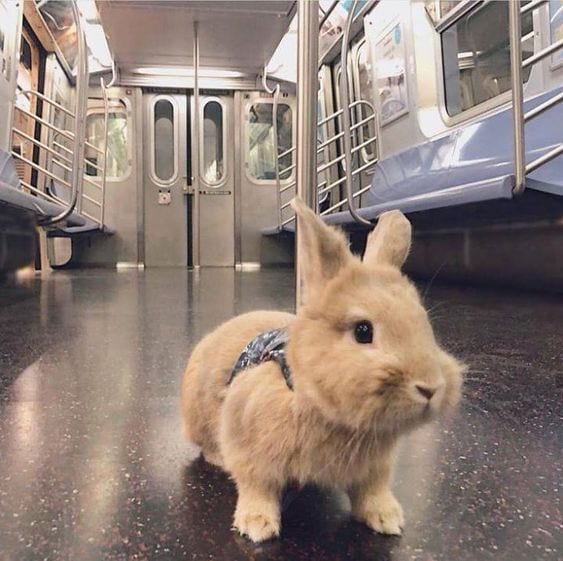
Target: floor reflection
93	463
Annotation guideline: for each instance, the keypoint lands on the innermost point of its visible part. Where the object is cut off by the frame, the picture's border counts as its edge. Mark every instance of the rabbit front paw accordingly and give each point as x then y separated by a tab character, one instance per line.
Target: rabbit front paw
258	511
382	513
258	527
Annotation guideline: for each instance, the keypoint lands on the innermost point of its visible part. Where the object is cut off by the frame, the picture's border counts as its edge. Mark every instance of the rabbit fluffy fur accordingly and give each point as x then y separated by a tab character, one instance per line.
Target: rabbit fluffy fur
350	402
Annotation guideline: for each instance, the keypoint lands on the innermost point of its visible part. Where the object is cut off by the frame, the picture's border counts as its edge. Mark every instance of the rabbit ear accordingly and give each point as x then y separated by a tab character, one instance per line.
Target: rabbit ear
390	241
324	249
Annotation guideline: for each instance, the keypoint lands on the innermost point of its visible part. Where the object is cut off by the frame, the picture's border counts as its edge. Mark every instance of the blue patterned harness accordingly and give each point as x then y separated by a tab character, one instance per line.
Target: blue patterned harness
269	345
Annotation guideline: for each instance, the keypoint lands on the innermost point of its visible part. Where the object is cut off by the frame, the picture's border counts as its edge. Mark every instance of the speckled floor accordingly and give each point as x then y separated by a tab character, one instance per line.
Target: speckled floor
93	464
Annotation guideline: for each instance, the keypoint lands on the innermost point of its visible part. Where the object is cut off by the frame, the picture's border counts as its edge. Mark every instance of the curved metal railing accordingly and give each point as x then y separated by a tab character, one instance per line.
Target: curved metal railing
66	149
337	164
520	118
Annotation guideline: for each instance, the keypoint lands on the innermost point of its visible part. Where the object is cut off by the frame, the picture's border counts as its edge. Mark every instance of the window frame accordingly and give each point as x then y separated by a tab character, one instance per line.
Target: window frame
176	133
492	103
267	101
126	110
224	132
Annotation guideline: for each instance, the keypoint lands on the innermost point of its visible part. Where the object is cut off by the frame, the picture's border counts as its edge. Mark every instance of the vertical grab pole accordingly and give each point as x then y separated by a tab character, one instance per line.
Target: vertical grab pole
195	153
106	131
105	87
307	85
276	152
515	30
276	93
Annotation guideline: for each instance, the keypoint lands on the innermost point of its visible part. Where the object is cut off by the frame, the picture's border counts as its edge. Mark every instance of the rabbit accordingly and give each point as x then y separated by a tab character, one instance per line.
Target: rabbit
365	369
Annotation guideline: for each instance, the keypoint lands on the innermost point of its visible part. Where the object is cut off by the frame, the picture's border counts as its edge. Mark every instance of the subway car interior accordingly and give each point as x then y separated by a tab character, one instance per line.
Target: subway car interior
150	155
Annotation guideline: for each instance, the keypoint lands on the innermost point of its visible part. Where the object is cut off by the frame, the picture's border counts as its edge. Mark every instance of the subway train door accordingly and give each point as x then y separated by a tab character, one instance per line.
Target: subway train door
165	175
216	243
174	236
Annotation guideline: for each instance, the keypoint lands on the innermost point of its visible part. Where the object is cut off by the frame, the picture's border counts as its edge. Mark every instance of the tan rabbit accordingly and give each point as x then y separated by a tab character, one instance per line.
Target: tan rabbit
360	367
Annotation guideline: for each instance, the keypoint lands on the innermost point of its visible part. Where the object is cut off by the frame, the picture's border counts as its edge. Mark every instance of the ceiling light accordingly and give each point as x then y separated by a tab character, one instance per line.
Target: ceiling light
188	72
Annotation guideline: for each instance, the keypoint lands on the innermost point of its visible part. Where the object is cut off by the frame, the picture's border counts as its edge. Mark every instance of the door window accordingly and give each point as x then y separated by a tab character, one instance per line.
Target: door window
164	144
213	161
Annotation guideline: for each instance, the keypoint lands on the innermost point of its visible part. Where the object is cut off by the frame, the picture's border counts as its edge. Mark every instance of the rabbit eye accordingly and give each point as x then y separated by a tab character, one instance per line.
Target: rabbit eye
363	332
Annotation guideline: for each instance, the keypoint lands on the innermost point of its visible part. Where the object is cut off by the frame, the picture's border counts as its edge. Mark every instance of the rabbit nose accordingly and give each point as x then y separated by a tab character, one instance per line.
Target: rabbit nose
426	391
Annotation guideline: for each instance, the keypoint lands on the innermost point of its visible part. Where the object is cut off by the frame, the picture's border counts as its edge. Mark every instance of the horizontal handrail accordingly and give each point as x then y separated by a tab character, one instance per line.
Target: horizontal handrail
543	53
285	170
60	200
289	151
288	186
92	182
338	135
531	6
91	200
93	165
62	147
339	112
330	163
547	157
329	141
543	107
336	183
40	169
342	179
363	122
364	144
345	200
93	218
329	118
46	123
354	150
41	145
39	192
49	101
86	143
66	134
61	165
89	144
333	207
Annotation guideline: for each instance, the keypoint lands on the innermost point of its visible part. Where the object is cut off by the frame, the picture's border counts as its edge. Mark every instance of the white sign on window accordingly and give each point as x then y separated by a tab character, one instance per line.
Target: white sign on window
391	75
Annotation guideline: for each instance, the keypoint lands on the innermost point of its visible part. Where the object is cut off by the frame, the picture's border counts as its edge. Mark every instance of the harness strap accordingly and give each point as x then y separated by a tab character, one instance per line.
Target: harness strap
269	345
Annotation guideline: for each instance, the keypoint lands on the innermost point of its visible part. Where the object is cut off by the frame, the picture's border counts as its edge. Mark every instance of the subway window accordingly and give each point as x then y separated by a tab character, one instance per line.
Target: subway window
164	145
213	160
117	150
476	55
261	158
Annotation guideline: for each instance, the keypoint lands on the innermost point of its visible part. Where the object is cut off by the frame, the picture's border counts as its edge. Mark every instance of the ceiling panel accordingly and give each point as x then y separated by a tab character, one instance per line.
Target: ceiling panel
235	35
